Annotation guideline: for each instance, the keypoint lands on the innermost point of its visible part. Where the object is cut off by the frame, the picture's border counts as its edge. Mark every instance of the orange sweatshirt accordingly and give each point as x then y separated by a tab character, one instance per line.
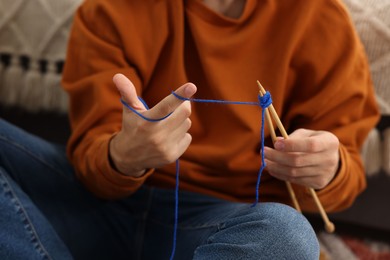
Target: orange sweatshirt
305	53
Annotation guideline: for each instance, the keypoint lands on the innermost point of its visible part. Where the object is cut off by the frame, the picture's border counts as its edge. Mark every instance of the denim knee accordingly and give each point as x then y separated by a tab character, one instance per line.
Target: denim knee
267	231
296	238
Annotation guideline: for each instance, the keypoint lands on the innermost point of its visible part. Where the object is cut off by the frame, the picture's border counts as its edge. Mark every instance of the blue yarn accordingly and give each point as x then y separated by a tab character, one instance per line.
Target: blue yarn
264	102
176	210
215	101
141	115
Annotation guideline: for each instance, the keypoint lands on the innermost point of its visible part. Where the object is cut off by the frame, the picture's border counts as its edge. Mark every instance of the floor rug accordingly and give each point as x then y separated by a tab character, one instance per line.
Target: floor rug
345	247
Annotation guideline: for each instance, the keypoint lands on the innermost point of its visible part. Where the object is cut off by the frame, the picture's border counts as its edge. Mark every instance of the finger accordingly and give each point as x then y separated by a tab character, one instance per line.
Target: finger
170	103
179	131
296	159
180	115
322	160
127	91
288	170
306	176
183	144
305	141
179	148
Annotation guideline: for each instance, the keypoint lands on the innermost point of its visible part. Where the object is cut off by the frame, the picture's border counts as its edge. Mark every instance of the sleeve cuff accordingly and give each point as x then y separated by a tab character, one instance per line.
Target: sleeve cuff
115	184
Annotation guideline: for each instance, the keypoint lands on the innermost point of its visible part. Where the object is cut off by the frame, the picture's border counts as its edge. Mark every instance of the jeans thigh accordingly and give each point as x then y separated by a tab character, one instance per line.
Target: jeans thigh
24	232
91	228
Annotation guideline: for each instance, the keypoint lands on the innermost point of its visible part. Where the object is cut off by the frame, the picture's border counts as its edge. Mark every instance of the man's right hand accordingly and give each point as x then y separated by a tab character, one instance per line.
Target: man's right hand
141	144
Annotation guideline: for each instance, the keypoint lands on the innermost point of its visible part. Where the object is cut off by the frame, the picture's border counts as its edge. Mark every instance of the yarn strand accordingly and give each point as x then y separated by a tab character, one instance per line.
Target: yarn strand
141	115
264	102
215	101
176	210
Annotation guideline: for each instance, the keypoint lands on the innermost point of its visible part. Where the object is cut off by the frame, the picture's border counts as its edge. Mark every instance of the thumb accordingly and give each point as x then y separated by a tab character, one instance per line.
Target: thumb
127	90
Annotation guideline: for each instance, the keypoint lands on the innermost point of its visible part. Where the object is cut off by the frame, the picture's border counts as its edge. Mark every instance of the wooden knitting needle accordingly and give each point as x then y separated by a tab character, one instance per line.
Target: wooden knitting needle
329	226
273	137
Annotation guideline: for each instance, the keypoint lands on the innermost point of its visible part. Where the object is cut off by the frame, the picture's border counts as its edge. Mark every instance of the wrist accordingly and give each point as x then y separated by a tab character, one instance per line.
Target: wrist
119	162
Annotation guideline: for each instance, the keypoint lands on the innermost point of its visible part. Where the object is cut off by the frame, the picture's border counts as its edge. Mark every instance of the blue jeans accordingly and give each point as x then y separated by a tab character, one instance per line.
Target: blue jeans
45	213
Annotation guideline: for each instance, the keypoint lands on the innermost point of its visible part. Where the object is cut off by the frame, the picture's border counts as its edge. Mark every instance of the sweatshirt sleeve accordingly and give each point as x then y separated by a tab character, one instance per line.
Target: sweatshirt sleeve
94	56
336	94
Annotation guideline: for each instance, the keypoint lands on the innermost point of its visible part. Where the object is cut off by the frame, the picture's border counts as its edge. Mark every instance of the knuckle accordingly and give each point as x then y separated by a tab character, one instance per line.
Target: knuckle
314	145
297	160
293	173
187	109
188	123
333	137
143	126
168	158
321	183
187	140
290	179
158	142
167	155
333	160
335	142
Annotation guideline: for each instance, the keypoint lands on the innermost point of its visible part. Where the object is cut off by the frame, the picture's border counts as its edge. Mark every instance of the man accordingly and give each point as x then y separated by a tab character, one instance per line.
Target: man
305	53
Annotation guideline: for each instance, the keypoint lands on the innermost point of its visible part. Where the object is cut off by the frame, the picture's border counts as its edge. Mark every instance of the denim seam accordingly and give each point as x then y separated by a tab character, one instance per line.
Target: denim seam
8	191
27	151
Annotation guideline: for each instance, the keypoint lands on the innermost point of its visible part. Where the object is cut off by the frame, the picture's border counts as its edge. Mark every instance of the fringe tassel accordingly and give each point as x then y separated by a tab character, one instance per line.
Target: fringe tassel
63	99
31	89
372	153
31	97
50	82
56	98
383	104
12	82
386	151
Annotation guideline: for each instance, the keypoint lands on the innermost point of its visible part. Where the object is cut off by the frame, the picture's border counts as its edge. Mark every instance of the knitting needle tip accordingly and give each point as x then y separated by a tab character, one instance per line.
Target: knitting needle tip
329	227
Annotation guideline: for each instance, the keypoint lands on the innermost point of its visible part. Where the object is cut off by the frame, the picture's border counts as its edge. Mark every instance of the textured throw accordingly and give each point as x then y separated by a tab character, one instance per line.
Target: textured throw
372	21
33	38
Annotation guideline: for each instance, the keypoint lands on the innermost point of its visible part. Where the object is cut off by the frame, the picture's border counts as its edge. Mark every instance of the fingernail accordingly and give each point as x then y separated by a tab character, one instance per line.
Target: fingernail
279	145
190	90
